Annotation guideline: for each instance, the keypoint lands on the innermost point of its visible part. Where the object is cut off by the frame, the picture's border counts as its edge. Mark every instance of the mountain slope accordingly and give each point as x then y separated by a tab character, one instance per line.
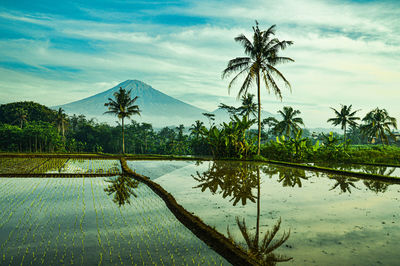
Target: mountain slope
156	107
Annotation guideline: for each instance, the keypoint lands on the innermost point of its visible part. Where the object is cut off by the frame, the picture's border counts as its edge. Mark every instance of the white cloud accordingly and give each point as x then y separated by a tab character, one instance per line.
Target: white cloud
344	53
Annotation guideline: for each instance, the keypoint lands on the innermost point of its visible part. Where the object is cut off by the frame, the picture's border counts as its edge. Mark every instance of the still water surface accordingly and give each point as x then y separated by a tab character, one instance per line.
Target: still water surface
333	220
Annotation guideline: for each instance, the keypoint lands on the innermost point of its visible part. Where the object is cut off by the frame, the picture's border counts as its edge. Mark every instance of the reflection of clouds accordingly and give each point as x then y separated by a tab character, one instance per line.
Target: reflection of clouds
318	219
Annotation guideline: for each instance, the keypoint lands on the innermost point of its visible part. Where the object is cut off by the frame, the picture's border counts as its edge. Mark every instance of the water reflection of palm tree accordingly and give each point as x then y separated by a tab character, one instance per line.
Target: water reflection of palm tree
289	177
376	186
122	187
238	181
344	183
231	181
378	170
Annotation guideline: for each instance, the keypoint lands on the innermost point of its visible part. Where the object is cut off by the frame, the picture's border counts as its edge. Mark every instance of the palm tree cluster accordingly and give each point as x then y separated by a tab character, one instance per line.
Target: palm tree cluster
377	123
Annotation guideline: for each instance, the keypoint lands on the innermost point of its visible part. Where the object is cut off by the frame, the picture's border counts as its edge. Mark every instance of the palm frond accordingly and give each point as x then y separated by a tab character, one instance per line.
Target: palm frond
276	72
234	65
280	60
235	78
246	43
246	84
274	86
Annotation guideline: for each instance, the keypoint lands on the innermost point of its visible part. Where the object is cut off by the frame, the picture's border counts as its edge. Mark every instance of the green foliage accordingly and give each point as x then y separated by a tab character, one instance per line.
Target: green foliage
34	137
33	111
289	149
298	148
229	140
374	154
289	125
331	149
377	124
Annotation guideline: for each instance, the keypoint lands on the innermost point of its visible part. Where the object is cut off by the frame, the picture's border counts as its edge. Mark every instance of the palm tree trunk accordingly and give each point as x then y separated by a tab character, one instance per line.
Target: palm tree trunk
259	112
63	129
381	133
258	207
123	137
345	136
63	132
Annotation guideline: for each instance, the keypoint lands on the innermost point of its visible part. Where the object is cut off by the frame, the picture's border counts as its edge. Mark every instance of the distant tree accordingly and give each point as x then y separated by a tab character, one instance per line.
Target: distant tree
344	118
248	107
356	135
166	137
123	107
268	122
259	65
377	124
21	115
210	117
145	136
61	120
289	122
180	146
195	128
34	112
230	109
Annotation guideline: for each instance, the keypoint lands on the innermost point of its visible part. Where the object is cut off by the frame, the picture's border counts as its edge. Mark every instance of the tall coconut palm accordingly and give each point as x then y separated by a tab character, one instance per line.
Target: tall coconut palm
289	122
377	124
259	65
123	107
344	117
61	120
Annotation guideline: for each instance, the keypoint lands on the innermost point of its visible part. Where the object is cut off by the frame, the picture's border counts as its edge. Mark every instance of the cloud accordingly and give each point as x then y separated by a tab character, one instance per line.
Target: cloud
345	52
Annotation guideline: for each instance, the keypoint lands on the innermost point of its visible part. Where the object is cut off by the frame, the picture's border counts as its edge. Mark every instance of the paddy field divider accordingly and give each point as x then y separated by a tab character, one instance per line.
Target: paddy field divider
217	241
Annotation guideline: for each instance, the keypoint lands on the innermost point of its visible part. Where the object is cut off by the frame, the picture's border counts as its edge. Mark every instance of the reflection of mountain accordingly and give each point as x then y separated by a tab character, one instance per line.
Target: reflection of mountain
157	108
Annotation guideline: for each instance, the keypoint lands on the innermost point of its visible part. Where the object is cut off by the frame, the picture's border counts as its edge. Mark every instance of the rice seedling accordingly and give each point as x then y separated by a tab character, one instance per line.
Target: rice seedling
54	217
17	205
19	165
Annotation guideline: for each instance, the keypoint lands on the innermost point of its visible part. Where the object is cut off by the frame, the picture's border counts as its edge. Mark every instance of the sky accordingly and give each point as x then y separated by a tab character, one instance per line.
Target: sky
346	52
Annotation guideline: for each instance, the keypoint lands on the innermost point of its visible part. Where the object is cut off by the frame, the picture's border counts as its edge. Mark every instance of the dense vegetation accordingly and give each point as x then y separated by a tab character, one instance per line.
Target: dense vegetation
234	139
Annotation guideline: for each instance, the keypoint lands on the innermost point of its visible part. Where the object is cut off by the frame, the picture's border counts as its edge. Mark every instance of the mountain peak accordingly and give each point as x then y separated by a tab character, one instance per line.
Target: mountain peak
130	84
157	108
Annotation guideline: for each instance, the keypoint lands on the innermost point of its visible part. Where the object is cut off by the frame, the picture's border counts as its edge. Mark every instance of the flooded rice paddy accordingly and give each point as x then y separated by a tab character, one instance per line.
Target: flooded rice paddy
333	220
85	221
